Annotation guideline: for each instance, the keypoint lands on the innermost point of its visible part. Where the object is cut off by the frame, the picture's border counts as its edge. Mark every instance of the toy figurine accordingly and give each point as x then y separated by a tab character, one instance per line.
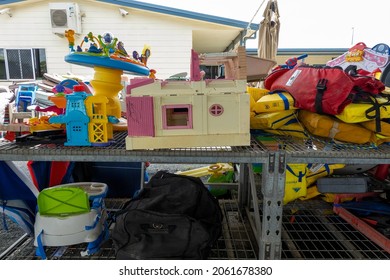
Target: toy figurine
69	34
355	54
136	55
93	48
152	74
108	42
121	49
145	55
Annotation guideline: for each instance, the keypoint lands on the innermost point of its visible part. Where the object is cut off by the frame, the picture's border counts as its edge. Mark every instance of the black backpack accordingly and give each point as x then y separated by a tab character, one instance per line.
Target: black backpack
173	217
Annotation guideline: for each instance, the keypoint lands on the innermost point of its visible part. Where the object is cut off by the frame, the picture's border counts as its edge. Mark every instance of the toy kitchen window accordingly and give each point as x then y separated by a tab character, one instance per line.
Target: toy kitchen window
178	116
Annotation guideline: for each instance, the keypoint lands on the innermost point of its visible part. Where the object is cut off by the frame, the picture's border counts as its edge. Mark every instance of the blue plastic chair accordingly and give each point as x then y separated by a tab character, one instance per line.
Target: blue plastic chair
25	96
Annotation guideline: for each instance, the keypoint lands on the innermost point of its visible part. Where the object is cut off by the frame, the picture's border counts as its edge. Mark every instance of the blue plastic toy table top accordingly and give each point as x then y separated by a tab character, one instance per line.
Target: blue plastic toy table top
104	61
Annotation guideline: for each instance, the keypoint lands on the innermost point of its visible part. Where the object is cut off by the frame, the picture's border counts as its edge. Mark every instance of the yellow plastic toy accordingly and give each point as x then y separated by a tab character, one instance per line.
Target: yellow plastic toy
213	169
42	123
99	128
355	54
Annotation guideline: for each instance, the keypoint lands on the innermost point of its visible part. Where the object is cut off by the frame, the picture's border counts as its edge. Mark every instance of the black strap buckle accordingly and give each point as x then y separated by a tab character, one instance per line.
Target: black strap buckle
321	86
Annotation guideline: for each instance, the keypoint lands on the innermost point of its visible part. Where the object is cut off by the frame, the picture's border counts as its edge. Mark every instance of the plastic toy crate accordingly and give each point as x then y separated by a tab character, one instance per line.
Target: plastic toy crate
123	178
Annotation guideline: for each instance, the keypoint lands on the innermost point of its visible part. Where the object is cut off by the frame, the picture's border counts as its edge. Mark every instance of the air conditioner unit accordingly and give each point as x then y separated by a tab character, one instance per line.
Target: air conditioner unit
65	16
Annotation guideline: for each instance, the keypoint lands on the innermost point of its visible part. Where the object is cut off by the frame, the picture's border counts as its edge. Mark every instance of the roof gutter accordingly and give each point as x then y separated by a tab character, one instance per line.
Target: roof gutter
181	13
241	39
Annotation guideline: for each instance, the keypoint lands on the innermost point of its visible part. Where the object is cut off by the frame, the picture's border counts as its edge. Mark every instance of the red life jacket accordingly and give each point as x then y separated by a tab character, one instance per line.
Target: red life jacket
321	89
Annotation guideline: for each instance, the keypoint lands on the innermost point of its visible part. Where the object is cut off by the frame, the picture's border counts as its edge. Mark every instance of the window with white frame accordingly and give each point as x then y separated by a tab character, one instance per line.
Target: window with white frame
213	71
22	64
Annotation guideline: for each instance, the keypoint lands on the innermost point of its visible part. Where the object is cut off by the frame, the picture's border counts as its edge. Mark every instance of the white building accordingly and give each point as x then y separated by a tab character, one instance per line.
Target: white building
32	41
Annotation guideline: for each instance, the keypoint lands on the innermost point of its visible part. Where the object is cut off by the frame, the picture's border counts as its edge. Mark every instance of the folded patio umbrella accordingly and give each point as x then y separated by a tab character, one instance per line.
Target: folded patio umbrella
47	174
269	31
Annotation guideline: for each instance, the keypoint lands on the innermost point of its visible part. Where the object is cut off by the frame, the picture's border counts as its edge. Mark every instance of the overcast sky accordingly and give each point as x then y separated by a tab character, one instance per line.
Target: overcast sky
306	23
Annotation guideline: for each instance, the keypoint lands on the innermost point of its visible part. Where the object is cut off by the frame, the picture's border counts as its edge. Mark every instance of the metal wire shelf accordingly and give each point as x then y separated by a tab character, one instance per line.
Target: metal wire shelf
116	151
317	150
235	242
311	230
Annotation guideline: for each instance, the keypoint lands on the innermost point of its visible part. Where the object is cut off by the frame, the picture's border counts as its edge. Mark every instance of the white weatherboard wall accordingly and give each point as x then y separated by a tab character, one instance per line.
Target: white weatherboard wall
169	37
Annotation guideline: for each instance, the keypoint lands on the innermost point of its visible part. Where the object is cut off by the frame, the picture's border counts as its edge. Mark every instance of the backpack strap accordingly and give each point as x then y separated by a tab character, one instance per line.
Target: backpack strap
376	106
321	88
351	70
40	250
95	245
154	181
